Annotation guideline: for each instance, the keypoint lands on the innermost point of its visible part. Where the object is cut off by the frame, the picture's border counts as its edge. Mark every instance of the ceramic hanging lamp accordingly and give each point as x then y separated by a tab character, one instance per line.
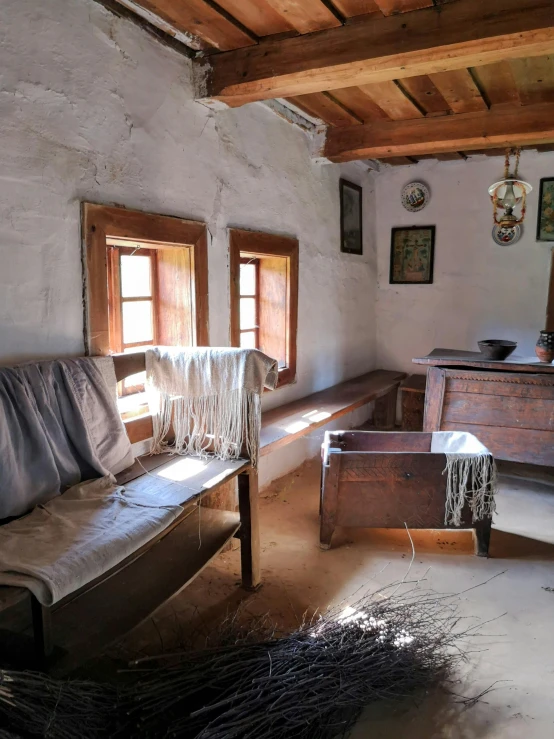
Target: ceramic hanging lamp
506	195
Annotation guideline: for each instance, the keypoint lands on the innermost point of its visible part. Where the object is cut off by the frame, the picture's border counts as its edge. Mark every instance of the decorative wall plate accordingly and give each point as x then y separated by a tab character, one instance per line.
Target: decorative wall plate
506	236
415	196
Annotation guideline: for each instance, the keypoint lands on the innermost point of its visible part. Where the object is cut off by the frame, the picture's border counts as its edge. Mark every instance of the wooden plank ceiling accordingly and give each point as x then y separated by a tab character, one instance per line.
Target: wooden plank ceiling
363	112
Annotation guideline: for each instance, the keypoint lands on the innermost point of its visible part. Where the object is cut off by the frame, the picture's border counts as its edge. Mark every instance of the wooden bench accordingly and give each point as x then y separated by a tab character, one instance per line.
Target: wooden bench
288	422
87	621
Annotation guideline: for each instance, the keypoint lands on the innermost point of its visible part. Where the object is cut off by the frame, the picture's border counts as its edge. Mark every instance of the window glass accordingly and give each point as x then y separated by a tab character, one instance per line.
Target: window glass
247	279
247	313
137	321
135	276
248	340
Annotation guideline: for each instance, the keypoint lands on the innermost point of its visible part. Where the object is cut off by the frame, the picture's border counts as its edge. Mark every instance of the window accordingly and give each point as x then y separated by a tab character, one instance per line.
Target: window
264	296
147	284
249	302
133	304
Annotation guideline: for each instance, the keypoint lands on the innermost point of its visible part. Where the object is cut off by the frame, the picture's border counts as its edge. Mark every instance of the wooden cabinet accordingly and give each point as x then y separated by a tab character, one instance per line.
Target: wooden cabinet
511	413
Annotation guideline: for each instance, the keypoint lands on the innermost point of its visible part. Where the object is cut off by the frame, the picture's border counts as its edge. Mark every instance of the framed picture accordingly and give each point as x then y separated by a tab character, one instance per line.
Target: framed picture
350	218
411	255
545	219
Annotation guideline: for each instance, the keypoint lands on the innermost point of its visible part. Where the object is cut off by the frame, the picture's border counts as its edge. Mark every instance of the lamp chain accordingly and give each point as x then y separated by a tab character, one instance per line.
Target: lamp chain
517	154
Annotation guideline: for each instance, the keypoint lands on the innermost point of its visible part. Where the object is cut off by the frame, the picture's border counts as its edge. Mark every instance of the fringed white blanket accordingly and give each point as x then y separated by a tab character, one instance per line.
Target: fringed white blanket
471	475
212	397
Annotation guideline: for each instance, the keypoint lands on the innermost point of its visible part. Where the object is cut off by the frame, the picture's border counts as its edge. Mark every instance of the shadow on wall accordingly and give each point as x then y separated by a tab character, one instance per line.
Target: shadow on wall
34	353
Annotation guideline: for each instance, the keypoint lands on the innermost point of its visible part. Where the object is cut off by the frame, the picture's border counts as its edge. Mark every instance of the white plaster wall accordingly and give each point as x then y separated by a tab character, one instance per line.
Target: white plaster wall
93	108
480	290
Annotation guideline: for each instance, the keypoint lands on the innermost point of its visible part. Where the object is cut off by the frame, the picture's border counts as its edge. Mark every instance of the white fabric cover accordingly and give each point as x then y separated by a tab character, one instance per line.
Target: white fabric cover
77	536
456	442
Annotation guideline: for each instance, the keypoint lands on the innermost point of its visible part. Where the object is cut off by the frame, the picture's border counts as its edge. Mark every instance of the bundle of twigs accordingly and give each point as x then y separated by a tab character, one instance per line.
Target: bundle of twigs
36	705
310	684
253	684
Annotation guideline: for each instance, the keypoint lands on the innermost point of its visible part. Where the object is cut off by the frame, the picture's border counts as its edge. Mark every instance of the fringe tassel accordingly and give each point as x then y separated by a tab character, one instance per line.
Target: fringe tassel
215	425
469	477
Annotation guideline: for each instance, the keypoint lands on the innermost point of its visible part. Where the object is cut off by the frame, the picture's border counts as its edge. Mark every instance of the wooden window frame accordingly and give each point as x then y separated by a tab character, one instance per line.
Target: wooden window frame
260	244
122	227
105	226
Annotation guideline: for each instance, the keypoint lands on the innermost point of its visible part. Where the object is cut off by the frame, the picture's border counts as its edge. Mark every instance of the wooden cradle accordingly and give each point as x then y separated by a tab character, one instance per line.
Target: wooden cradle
372	479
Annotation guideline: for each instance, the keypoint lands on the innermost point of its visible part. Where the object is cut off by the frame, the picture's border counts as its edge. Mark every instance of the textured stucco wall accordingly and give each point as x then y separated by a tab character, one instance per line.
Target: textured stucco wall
93	108
480	290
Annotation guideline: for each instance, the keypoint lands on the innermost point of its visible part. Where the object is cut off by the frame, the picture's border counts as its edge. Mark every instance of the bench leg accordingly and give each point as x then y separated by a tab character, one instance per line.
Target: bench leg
249	529
326	531
329	501
482	537
384	413
42	630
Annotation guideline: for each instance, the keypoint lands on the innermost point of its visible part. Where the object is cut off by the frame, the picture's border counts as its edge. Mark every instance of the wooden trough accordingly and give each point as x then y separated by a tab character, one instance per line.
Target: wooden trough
372	479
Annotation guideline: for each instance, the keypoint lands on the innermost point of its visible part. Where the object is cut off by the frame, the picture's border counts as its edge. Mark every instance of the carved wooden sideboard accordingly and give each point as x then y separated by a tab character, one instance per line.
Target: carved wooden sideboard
508	405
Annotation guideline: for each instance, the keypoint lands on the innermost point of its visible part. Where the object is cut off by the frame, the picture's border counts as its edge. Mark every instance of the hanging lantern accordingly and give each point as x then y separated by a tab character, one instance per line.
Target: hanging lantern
509	193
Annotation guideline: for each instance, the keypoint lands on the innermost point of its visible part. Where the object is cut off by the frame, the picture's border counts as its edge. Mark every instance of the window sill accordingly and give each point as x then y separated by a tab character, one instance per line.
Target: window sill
286	377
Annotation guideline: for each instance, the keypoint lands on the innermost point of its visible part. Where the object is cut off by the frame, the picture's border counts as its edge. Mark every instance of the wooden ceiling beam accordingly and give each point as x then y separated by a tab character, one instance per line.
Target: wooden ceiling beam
534	79
389	7
497	83
378	49
306	15
426	95
351	8
459	90
203	20
391	98
257	15
532	124
359	103
324	106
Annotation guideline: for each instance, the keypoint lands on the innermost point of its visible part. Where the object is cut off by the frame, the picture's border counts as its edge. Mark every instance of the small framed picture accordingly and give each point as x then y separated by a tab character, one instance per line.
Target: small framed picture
411	255
350	218
545	220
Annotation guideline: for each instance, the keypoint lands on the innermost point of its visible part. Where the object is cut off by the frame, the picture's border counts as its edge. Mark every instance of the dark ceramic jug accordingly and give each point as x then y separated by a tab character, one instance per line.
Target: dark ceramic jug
544	348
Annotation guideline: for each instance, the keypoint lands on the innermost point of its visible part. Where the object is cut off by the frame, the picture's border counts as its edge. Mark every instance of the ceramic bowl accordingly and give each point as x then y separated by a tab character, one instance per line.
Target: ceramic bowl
496	348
